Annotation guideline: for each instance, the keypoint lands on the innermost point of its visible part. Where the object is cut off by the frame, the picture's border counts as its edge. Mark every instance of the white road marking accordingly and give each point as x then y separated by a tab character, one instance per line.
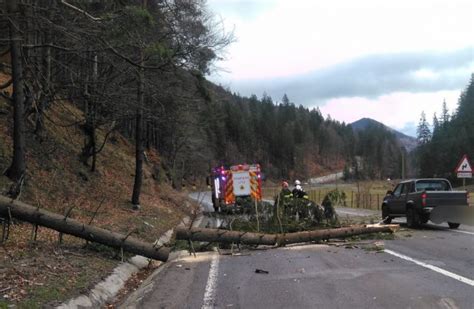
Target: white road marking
432	267
464	232
210	292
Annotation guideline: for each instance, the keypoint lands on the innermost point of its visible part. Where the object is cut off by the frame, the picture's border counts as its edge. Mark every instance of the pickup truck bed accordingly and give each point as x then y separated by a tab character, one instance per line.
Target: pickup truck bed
417	199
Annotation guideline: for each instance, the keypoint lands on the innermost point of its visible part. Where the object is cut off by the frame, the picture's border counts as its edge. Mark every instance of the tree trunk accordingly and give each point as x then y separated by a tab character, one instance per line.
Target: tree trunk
18	166
225	236
64	225
46	89
139	138
95	77
148	135
90	142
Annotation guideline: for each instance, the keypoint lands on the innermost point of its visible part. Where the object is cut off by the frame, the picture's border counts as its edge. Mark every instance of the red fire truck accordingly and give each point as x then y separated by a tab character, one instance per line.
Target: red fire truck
230	185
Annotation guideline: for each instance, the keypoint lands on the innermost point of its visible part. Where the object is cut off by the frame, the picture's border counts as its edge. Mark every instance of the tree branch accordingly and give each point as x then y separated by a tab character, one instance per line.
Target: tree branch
130	61
49	45
80	11
112	129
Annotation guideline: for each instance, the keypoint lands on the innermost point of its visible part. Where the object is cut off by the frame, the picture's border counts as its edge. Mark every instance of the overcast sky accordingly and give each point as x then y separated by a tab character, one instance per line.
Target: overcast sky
387	60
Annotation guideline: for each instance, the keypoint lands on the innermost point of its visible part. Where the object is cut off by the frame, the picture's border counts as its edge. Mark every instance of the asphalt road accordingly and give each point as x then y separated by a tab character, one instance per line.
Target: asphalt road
432	267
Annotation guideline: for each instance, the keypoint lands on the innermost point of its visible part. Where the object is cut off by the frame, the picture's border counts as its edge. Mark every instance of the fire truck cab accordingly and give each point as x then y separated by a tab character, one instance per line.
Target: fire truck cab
229	185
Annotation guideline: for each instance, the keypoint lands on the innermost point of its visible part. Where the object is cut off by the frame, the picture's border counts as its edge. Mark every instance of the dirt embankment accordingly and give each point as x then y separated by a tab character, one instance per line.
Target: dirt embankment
33	273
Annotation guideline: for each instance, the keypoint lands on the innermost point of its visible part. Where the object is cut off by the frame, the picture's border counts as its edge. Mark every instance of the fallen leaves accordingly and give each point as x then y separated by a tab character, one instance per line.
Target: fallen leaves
41	270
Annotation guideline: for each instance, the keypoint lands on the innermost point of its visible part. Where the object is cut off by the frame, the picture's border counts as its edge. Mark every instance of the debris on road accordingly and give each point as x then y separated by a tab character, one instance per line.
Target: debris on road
261	271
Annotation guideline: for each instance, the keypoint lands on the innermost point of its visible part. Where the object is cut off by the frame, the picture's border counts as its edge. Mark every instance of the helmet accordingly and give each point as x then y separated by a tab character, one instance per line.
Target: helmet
297	182
284	184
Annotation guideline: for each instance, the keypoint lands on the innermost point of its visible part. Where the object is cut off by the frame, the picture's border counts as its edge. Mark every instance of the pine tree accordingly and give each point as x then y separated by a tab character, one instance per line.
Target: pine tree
423	131
435	124
466	100
285	101
444	114
462	122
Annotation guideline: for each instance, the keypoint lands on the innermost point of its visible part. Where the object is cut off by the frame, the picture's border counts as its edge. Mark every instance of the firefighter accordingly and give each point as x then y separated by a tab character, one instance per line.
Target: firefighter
301	202
285	192
283	200
298	191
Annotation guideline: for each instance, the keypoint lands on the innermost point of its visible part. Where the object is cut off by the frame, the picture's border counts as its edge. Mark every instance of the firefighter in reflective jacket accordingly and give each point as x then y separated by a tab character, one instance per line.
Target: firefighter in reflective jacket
298	191
285	192
283	200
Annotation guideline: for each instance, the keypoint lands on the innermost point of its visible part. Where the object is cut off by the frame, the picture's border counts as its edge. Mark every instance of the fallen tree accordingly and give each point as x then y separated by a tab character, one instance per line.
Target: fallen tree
226	236
63	224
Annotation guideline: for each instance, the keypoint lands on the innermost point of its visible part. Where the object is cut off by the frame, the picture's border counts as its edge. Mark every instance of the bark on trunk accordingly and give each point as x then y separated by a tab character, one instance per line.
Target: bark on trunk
64	225
45	92
18	166
90	142
318	235
139	140
225	236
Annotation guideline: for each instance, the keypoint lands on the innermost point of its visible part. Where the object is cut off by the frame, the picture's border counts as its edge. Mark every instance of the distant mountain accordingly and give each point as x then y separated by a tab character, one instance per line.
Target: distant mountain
408	142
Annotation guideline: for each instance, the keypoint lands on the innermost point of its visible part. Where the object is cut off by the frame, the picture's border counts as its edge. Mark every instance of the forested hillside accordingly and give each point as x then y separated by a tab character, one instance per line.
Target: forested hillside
138	68
448	139
290	140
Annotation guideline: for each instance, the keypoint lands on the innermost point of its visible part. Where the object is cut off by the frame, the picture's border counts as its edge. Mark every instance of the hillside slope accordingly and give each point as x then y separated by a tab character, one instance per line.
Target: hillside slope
57	181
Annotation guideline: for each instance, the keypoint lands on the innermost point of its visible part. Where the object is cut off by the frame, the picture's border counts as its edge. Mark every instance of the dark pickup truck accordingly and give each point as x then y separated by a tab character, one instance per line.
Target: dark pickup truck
417	199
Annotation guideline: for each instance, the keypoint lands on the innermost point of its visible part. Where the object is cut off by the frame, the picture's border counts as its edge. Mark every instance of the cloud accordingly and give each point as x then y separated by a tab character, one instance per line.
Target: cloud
277	38
370	77
365	58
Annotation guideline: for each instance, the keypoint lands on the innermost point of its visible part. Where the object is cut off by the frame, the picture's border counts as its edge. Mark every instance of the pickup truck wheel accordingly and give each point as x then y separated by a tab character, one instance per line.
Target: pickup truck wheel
453	225
385	215
412	218
424	218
